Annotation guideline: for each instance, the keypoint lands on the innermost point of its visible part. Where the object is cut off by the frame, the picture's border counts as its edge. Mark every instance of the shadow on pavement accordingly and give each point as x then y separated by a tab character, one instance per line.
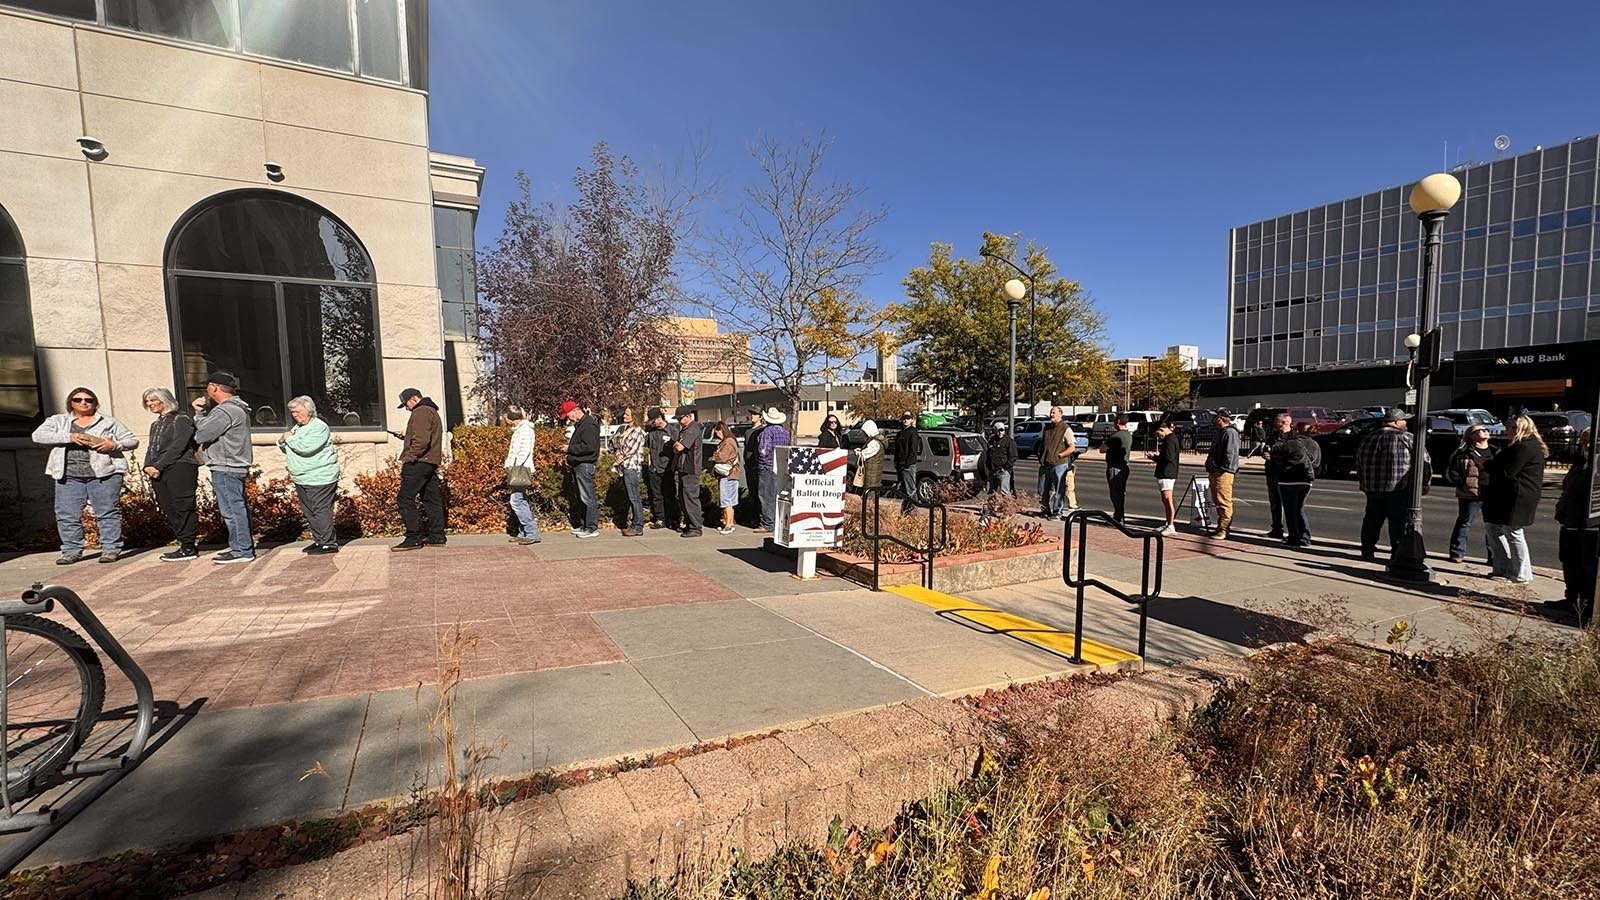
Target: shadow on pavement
1223	622
759	558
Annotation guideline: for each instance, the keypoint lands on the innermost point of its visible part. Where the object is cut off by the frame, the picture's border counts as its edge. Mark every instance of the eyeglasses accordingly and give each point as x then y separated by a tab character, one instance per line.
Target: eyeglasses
83	400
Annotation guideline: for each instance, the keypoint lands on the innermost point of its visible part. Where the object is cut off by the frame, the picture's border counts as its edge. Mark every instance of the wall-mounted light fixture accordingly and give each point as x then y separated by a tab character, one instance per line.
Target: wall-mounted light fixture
274	171
93	148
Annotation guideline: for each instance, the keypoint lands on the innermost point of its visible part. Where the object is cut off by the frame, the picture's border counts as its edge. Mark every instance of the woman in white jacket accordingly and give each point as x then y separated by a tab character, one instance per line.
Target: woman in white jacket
87	462
520	454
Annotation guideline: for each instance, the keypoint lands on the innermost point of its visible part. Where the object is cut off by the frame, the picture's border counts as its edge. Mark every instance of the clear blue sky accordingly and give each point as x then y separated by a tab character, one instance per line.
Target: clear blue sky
1126	137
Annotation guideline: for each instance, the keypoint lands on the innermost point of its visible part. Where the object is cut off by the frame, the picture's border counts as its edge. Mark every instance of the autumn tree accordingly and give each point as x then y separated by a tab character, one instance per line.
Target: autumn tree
954	323
576	299
788	271
1088	380
883	403
1163	385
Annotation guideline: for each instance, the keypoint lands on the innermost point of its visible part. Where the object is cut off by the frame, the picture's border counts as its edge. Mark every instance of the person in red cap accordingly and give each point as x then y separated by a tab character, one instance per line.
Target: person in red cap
583	451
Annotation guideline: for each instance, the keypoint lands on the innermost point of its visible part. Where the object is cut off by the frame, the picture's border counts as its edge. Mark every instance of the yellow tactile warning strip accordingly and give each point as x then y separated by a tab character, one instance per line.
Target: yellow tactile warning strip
1026	630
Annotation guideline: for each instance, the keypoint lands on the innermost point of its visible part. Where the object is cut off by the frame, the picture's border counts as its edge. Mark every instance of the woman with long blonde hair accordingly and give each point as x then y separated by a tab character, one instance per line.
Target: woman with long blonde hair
1511	500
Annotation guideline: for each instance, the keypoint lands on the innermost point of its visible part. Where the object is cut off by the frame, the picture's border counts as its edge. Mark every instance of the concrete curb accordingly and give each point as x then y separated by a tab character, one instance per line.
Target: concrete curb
586	841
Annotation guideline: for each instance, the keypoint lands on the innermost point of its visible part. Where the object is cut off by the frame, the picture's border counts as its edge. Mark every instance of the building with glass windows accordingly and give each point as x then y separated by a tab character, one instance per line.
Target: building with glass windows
1335	287
228	184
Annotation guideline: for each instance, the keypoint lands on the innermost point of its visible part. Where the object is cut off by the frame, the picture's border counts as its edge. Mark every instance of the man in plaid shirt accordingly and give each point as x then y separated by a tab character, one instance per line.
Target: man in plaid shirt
1383	468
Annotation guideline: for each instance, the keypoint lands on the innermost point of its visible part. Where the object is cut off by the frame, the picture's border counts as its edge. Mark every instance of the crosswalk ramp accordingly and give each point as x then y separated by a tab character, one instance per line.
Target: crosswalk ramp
1000	622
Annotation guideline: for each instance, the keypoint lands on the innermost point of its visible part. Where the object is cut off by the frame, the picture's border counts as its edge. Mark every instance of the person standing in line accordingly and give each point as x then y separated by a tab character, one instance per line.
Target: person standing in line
520	453
1580	532
773	435
1511	501
907	450
725	462
88	463
583	452
1002	458
1057	446
869	461
1166	458
313	466
1297	460
628	445
687	463
1222	464
421	453
173	470
222	429
832	435
1383	471
663	487
1117	448
1282	430
1465	471
752	468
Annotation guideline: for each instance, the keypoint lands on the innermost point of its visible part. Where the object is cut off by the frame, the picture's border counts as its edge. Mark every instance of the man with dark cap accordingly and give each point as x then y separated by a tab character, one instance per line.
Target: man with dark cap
583	452
752	468
687	465
659	480
421	452
1383	469
222	429
907	451
1222	464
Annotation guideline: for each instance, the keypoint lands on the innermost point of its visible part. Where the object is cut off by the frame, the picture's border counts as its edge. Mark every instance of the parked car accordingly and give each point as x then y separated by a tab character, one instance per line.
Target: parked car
1462	419
1321	418
1030	432
1185	422
1141	423
948	454
1560	431
1340	445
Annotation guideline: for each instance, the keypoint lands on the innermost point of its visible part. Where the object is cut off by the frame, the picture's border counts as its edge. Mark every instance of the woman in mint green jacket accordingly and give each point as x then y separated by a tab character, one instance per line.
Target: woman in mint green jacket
314	468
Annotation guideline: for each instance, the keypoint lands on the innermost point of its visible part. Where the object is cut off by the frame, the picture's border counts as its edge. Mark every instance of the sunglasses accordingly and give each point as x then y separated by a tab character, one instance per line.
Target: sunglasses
84	400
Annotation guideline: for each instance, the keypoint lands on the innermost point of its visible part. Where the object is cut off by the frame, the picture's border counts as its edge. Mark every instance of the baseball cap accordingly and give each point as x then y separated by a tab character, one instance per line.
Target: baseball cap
567	406
683	411
1222	413
1000	426
407	394
226	379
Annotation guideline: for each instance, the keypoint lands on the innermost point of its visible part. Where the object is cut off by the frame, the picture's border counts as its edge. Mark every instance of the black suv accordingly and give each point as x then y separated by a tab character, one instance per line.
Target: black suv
1560	431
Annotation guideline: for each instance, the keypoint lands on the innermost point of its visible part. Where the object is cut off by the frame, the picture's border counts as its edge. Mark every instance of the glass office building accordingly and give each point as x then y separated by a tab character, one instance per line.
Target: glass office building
1337	285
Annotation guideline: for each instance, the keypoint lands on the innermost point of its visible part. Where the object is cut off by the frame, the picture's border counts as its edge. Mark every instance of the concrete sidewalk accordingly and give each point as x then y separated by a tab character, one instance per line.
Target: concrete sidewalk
590	651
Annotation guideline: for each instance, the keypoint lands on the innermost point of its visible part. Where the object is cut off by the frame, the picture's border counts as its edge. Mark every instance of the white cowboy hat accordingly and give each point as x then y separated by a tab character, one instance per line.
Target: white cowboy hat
773	417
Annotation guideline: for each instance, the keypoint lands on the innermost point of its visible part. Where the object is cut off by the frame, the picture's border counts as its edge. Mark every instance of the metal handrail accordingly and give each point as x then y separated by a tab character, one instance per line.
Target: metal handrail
1147	591
871	496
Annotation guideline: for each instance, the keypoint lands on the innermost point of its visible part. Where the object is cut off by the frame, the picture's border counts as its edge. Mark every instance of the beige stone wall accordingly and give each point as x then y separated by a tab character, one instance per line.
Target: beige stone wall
182	124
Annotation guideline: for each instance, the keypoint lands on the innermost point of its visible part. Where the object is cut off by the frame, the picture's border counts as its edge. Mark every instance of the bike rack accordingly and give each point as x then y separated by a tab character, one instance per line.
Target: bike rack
46	821
1147	591
871	497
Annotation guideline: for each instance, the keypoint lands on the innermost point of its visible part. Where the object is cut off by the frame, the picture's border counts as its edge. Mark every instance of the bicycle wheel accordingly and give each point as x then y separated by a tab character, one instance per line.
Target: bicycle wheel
54	689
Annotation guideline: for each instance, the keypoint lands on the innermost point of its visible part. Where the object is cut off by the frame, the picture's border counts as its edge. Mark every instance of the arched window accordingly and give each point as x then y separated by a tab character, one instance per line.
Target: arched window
19	368
274	289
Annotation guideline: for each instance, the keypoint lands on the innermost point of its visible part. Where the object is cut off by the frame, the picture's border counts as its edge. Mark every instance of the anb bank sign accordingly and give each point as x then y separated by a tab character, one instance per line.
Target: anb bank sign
1530	359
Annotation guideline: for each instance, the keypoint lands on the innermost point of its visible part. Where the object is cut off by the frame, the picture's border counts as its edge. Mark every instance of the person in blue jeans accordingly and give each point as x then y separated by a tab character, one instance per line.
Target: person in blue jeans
1465	471
520	453
773	435
87	462
583	451
222	429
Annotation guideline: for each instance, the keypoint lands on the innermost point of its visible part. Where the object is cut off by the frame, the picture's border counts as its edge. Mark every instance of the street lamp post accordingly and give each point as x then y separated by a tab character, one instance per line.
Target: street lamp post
1016	289
1431	200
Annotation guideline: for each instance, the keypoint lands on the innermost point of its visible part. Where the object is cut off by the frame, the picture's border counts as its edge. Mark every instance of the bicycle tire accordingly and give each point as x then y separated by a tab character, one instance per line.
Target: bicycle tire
39	749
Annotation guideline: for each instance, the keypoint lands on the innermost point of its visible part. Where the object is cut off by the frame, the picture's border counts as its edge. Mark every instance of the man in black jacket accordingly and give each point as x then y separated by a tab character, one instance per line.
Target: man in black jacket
1002	458
752	469
1167	458
687	465
660	484
1282	430
907	450
583	451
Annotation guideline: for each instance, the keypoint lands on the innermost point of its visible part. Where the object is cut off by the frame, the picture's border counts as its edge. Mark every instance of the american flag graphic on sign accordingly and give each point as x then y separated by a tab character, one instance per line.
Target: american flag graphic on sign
811	461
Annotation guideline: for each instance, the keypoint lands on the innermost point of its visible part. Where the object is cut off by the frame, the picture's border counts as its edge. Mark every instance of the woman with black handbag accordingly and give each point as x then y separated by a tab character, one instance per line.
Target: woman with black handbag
519	474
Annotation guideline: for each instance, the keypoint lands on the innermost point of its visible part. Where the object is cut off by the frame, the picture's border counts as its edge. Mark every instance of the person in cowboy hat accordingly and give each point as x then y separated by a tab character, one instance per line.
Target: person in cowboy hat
773	435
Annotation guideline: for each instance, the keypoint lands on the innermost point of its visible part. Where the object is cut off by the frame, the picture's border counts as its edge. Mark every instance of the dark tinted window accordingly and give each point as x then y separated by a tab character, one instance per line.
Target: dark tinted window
71	9
204	21
938	445
19	371
970	444
1548	420
267	234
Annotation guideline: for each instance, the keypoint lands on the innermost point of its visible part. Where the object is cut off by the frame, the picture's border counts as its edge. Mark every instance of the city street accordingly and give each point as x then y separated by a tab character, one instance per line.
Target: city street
1334	507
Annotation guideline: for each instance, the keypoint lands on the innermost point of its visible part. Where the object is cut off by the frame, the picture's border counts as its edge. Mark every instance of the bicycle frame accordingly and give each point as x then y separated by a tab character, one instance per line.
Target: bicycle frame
42	599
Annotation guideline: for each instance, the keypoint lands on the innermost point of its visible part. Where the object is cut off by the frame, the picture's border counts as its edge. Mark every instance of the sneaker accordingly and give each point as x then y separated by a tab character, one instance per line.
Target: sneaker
525	540
434	542
182	554
1169	529
228	557
1219	535
68	559
1457	559
633	532
405	545
692	534
1275	534
109	556
726	529
585	533
322	549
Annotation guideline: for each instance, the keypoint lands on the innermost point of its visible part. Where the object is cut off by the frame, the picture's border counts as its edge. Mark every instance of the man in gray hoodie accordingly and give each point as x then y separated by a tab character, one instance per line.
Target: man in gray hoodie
222	429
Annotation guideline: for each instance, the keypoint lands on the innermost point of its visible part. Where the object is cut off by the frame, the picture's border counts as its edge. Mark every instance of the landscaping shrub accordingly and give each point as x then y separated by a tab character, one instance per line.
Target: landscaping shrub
965	533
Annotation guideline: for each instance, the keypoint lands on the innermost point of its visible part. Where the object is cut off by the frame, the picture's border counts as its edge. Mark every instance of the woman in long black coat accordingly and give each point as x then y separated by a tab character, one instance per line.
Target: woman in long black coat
1511	501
